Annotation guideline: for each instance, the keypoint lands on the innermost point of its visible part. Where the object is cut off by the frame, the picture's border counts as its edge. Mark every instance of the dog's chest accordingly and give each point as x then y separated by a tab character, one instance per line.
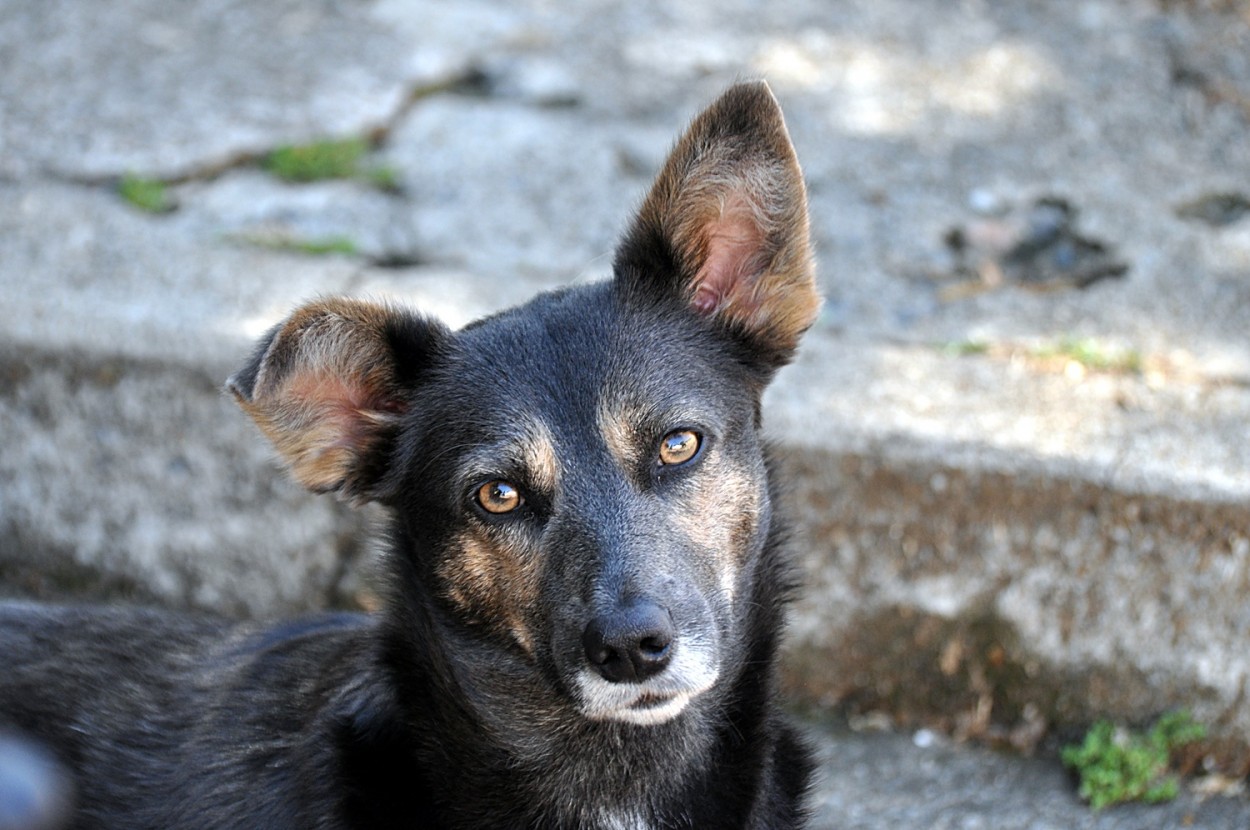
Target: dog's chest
625	820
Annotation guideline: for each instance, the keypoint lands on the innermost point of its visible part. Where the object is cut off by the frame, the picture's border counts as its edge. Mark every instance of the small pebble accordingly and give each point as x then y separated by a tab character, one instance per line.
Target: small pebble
985	202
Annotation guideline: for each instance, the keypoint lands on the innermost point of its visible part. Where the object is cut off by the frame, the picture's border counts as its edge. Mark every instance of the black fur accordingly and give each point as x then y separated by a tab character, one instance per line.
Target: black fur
447	712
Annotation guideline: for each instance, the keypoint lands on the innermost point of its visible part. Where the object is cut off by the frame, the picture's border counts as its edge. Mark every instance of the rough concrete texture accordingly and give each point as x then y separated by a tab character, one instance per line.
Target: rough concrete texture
1022	502
1071	576
169	90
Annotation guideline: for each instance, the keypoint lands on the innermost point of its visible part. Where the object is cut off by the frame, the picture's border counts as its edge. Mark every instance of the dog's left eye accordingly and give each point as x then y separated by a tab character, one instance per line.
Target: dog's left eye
679	446
499	497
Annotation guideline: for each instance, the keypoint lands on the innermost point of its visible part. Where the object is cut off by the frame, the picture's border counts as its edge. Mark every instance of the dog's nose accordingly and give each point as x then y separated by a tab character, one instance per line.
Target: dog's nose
629	644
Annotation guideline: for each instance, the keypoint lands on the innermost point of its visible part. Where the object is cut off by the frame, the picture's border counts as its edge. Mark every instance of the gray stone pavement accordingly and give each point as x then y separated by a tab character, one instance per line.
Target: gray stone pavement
881	781
1015	495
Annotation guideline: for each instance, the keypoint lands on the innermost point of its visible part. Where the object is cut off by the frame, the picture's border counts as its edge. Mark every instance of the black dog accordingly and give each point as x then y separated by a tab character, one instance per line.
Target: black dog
586	582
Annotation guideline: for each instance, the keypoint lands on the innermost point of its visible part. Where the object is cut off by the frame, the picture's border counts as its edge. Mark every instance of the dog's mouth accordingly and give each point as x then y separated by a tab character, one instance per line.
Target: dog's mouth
651	709
629	705
650	700
659	700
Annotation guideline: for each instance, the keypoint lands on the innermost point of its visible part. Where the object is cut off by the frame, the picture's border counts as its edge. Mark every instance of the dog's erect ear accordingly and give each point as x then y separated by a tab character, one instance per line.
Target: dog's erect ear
724	228
329	384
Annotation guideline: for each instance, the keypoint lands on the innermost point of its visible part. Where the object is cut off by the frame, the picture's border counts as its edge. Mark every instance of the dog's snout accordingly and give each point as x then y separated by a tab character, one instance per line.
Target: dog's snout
630	644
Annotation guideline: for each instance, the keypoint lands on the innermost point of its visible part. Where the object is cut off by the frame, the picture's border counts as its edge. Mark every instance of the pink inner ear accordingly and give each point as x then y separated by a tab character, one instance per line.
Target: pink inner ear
346	405
733	260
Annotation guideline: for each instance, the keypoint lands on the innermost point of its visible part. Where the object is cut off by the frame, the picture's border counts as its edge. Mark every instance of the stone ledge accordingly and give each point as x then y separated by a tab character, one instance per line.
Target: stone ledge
976	598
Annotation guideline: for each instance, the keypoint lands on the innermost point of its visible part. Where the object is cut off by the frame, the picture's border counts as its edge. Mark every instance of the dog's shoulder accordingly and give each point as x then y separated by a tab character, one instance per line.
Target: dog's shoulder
164	695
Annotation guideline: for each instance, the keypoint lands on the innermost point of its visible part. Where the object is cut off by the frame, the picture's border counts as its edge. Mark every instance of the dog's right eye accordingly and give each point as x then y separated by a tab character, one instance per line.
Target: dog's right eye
499	497
679	446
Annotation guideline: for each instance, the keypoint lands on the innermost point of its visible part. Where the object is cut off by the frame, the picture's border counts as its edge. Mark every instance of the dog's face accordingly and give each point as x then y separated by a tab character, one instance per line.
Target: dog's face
579	480
589	485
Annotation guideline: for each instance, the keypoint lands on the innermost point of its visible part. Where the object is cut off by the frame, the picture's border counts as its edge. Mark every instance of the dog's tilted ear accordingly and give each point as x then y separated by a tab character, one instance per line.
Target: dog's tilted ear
724	228
329	384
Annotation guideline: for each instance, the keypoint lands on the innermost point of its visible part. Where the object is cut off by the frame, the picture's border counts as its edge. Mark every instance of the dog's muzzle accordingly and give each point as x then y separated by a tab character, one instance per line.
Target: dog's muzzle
639	669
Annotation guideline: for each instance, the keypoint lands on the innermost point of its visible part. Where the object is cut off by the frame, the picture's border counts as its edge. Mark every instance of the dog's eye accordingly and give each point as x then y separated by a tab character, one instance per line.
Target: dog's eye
499	497
679	446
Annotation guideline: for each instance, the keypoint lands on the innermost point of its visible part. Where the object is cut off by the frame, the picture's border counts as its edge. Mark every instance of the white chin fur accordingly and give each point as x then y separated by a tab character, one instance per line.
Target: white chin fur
658	700
649	715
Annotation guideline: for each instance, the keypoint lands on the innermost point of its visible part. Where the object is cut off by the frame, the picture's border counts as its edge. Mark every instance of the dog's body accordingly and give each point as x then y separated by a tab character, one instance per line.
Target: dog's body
586	582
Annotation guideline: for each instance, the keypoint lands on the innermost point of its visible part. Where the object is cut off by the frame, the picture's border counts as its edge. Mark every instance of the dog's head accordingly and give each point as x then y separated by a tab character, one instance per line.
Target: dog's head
579	481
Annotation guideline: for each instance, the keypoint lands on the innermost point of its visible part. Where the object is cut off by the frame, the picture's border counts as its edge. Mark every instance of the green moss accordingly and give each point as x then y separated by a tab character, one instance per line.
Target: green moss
1116	765
317	161
148	195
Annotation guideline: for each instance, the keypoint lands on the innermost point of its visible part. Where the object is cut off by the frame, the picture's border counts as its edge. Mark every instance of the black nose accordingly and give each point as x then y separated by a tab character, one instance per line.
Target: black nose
629	644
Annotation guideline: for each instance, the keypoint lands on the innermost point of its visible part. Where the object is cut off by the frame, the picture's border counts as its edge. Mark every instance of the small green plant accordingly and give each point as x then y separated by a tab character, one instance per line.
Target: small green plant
327	245
1116	765
331	159
1094	355
384	177
314	246
317	161
965	348
149	195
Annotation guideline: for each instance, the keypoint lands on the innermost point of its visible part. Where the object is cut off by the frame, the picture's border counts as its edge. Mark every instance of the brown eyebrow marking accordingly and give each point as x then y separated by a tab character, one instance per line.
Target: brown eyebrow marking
539	455
629	429
531	447
620	427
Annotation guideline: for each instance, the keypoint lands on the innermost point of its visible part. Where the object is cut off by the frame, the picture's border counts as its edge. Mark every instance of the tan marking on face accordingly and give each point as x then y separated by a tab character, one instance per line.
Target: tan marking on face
719	517
539	456
492	584
528	446
619	427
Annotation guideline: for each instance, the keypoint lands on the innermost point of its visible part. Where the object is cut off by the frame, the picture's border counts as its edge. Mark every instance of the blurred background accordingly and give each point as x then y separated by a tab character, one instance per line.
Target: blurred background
1019	433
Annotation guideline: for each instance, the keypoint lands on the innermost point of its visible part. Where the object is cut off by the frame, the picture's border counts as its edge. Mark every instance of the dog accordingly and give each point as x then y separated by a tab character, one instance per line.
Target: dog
586	570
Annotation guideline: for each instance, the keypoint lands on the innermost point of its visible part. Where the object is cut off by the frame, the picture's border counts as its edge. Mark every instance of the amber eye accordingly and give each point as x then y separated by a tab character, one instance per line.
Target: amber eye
679	447
499	497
